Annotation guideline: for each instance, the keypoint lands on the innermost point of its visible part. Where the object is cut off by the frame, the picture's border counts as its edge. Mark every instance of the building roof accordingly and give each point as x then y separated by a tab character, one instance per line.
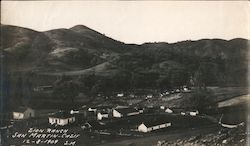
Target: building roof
62	115
126	110
103	112
121	106
155	122
95	124
101	107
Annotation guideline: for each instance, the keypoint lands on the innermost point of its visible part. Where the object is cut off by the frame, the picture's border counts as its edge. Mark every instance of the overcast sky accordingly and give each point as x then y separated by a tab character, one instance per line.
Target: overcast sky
135	22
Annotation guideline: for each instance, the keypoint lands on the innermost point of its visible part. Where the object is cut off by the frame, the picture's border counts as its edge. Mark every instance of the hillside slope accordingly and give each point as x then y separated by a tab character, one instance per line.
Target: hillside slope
72	51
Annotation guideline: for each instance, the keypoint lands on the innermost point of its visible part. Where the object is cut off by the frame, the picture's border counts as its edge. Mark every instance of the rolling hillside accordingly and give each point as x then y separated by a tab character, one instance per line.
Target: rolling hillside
78	48
96	63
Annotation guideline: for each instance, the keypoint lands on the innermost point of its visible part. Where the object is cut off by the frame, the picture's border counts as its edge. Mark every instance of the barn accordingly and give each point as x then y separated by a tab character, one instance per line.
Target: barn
121	112
149	126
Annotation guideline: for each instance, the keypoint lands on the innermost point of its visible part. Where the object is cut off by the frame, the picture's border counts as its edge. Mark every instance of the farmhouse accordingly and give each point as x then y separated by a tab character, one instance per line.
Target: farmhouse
121	112
61	118
101	115
23	113
153	125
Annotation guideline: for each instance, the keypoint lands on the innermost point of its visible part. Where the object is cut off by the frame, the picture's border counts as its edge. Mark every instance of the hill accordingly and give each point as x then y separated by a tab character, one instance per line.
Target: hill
56	50
96	63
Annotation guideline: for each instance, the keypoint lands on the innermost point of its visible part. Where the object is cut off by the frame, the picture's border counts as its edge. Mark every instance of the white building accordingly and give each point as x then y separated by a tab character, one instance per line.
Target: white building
100	108
194	113
149	96
186	89
177	91
168	110
101	115
91	109
121	106
118	113
120	95
74	112
61	118
153	125
23	113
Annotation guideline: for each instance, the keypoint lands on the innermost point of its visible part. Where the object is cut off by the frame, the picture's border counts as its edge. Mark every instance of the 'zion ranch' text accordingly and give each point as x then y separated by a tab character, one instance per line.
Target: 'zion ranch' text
47	136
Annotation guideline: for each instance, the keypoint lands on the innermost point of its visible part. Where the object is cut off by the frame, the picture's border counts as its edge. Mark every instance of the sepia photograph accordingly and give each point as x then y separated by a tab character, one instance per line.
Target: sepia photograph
124	73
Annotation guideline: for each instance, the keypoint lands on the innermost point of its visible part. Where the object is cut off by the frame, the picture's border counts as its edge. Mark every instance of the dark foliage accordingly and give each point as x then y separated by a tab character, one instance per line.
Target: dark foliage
206	62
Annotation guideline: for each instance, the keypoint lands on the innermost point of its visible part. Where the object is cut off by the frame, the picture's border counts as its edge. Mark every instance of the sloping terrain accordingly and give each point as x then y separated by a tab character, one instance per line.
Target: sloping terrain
56	50
95	63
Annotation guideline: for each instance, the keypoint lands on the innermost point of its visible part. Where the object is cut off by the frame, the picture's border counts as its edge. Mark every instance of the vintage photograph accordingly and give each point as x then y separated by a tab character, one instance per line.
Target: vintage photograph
124	73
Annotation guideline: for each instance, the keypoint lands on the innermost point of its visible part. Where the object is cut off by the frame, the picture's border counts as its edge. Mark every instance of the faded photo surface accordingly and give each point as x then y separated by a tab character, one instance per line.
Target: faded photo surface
123	73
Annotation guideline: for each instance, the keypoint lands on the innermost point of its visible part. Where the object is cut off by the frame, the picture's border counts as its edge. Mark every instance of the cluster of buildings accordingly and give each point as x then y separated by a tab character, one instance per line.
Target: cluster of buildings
100	113
184	89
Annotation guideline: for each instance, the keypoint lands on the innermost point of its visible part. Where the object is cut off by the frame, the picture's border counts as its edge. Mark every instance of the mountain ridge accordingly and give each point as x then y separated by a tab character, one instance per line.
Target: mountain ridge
80	47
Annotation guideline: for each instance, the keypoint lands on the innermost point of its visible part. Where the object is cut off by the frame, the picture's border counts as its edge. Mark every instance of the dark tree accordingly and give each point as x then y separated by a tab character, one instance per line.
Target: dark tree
202	98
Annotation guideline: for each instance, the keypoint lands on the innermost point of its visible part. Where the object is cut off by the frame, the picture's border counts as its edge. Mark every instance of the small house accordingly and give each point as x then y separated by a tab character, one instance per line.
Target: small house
23	113
168	110
123	112
194	113
92	109
61	119
186	89
132	95
140	109
172	91
74	112
153	125
149	96
177	91
120	95
101	115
